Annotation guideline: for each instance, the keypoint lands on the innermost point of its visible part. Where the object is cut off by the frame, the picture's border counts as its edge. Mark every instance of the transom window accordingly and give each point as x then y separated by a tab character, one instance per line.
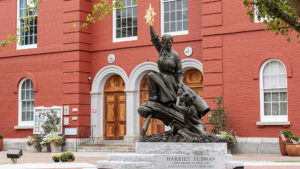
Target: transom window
27	25
274	102
26	102
125	22
174	17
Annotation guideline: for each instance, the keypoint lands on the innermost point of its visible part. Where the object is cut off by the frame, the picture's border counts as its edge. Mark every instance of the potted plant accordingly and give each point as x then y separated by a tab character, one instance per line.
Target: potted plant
56	157
1	142
55	141
67	156
230	136
293	146
35	142
285	134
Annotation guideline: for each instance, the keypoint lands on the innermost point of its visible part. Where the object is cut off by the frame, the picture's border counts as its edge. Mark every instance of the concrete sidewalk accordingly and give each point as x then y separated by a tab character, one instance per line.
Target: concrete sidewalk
88	160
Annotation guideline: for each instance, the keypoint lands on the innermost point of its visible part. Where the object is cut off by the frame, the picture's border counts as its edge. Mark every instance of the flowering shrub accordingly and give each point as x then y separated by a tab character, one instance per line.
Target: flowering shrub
53	137
65	156
56	157
36	139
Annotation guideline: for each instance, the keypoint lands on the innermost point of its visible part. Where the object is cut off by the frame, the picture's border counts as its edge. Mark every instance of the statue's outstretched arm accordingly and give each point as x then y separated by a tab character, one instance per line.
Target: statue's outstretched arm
155	40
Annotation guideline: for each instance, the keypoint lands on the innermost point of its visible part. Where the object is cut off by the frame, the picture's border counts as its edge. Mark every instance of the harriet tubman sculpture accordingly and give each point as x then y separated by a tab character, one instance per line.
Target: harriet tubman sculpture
170	100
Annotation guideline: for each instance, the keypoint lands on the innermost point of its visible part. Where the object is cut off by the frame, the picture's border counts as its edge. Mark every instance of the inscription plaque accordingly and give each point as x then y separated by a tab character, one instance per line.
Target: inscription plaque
190	162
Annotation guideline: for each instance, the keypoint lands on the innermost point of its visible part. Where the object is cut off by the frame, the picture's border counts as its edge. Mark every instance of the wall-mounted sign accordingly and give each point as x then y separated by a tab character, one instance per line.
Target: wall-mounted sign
66	110
188	51
111	58
40	117
71	131
66	121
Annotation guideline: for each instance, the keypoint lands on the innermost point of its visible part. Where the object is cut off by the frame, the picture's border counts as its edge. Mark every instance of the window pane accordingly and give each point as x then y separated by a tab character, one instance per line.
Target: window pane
166	17
123	32
172	5
173	28
185	14
185	25
166	27
282	81
267	82
129	32
267	97
275	108
134	12
167	6
172	16
178	4
185	4
118	35
179	15
128	3
267	107
274	81
124	22
118	13
129	12
283	108
134	31
179	26
283	96
134	21
129	22
118	23
275	96
123	13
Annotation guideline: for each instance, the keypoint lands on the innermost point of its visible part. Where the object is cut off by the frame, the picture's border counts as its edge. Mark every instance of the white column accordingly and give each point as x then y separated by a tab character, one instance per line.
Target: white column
97	118
132	116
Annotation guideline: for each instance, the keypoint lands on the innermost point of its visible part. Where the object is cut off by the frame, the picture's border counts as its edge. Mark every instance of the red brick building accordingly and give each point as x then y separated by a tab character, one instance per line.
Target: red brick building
99	72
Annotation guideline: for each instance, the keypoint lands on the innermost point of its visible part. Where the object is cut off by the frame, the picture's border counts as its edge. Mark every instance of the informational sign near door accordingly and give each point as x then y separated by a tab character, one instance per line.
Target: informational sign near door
41	115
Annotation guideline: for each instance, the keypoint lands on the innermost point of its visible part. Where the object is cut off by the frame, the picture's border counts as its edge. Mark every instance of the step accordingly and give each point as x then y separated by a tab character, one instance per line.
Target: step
124	165
107	148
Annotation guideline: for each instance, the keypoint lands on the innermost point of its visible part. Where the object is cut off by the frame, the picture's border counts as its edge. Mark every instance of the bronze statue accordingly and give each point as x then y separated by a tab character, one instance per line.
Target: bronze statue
170	100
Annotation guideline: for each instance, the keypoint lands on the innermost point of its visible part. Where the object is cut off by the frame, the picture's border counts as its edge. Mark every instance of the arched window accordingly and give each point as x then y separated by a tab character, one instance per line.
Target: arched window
273	91
26	103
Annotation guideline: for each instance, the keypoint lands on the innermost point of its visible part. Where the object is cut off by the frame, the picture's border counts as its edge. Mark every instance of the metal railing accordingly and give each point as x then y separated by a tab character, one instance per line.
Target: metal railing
84	135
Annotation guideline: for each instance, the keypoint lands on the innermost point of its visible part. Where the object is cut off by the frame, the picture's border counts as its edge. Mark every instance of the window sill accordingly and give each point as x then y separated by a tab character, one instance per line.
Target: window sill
22	47
283	123
23	127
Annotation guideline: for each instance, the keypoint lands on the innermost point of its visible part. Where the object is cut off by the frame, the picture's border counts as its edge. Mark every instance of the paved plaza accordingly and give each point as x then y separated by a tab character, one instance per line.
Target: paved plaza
88	160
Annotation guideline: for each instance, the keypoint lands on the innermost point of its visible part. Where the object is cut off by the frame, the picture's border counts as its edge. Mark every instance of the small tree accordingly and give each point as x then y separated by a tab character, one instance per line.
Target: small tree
218	117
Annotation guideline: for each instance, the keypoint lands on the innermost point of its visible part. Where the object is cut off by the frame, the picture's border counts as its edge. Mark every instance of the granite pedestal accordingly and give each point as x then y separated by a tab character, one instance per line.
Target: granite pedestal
163	155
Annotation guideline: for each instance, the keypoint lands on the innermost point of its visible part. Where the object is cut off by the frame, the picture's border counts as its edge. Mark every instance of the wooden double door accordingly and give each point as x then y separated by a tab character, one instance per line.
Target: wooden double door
114	109
192	78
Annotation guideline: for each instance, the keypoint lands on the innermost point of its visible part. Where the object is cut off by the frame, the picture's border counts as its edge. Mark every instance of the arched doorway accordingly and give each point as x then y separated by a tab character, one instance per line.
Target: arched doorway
114	108
193	78
155	126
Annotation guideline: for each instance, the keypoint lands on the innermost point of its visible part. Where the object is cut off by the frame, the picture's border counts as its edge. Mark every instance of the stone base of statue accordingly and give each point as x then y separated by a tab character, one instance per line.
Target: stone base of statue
172	155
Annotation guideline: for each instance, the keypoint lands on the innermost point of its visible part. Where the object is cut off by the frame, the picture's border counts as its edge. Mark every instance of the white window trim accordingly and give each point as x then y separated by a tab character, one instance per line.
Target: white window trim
263	118
115	40
162	25
256	16
21	47
20	122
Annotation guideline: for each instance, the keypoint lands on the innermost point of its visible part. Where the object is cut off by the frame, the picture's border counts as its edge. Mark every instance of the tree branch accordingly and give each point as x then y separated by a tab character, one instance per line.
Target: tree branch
274	9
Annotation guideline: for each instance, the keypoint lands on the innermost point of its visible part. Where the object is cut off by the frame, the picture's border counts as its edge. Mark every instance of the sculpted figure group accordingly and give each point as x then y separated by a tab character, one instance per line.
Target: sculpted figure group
170	100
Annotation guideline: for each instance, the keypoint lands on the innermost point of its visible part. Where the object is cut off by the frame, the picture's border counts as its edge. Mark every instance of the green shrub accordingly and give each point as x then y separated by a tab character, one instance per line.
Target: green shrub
1	136
65	156
218	117
296	138
287	133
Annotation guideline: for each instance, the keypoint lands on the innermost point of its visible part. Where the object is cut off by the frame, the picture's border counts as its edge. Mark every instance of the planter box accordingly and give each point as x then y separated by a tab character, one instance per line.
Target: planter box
282	147
293	149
